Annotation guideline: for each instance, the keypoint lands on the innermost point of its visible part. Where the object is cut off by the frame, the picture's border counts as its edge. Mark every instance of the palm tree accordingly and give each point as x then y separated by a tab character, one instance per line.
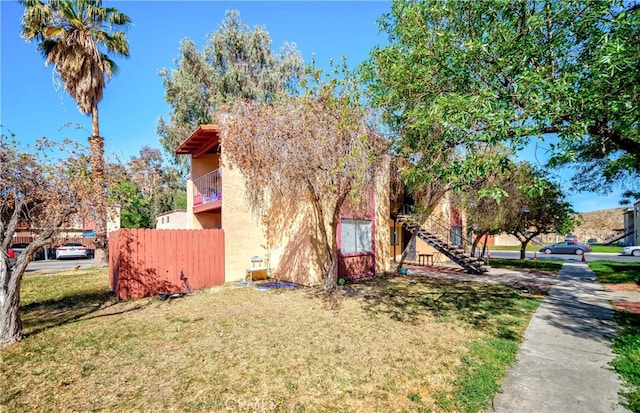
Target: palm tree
70	34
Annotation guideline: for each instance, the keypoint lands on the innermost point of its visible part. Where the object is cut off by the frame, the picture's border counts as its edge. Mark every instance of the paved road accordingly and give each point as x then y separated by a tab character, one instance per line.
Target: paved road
58	265
591	256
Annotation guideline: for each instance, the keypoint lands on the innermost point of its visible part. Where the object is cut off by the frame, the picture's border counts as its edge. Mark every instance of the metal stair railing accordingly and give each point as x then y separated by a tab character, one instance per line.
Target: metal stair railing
439	235
618	235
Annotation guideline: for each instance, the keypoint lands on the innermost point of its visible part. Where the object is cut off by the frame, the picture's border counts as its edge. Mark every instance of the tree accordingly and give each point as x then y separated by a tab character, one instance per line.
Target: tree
46	193
490	215
318	150
236	63
135	210
543	213
530	205
458	75
70	34
146	188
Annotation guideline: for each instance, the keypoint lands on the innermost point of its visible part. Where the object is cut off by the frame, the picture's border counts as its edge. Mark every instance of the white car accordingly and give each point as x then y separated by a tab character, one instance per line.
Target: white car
72	250
634	250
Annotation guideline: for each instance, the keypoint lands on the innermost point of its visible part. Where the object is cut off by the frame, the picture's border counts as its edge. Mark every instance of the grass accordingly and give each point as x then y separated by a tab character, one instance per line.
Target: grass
627	345
611	272
540	265
627	362
384	344
615	249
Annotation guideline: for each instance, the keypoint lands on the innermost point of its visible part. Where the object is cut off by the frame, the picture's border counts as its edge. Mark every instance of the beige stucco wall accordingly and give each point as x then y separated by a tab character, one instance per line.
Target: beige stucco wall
295	243
243	235
294	252
192	222
204	164
172	220
291	255
382	213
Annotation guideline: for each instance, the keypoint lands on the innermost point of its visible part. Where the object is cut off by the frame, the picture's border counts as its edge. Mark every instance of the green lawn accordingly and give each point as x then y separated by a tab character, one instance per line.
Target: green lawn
627	344
541	265
611	272
384	344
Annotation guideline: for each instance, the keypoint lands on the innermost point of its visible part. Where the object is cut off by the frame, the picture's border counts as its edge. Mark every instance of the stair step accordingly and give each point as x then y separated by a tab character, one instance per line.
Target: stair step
456	253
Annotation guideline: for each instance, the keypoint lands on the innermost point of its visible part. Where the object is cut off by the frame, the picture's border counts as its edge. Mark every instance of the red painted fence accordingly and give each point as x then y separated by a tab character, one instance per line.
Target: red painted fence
146	262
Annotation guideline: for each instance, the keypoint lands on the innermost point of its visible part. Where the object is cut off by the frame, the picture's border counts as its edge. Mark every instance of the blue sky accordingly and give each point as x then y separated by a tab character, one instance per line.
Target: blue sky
30	106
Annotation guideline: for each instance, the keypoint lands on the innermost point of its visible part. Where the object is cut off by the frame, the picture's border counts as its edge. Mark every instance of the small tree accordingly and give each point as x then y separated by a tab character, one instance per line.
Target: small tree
545	213
44	192
147	187
318	149
527	206
490	202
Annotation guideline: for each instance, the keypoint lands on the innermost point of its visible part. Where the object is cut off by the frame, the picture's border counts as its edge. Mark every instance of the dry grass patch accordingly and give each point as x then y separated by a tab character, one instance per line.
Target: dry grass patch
386	344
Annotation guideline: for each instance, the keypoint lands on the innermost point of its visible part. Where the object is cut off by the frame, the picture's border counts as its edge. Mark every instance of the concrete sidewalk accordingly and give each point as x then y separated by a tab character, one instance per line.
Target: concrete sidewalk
563	363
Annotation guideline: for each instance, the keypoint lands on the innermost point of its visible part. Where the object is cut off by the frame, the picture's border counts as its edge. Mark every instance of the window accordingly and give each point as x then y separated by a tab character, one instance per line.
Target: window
355	236
167	220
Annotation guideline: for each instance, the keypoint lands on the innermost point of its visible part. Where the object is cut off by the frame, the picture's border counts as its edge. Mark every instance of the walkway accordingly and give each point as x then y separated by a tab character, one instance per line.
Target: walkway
563	363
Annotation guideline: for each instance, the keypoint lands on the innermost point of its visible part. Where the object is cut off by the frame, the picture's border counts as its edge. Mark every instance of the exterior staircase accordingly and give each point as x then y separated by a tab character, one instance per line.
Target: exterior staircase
438	235
617	236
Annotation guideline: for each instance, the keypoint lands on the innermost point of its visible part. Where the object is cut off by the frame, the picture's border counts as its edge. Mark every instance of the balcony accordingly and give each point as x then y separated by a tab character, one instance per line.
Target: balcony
207	192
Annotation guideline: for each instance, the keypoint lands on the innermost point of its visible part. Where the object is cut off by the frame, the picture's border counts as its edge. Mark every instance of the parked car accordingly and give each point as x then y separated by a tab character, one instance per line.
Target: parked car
566	247
13	257
592	240
19	248
72	250
571	238
633	250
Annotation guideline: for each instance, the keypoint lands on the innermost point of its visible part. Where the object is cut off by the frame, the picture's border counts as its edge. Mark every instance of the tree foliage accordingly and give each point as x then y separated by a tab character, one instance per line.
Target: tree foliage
459	75
530	205
46	186
146	188
318	150
70	35
76	36
236	63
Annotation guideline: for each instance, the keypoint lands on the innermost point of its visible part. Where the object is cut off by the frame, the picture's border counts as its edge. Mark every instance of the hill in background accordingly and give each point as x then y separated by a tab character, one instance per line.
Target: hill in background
599	224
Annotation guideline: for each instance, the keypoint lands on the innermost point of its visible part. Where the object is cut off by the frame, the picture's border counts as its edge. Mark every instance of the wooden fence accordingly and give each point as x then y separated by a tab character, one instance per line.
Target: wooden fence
56	241
146	262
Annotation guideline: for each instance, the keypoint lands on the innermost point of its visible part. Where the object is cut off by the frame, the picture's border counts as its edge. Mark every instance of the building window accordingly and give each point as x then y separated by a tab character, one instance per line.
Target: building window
167	220
355	236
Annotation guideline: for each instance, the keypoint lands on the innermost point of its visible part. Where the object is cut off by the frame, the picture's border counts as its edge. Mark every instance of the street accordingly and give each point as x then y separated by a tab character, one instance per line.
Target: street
58	265
590	256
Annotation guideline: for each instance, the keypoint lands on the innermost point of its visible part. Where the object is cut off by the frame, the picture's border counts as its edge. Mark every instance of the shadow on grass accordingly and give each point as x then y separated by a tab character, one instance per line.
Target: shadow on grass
39	316
407	299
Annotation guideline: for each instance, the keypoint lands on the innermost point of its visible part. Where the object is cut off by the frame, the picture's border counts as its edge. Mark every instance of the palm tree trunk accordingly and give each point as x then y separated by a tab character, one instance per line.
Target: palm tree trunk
95	126
96	159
